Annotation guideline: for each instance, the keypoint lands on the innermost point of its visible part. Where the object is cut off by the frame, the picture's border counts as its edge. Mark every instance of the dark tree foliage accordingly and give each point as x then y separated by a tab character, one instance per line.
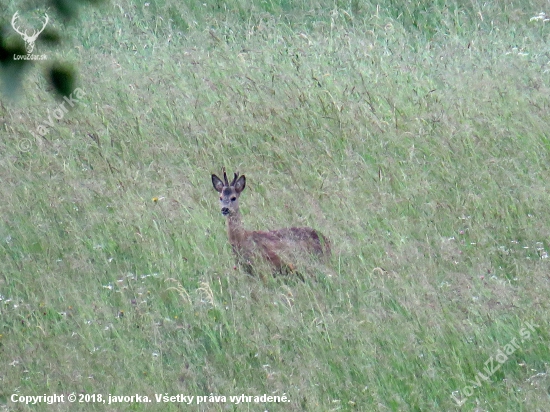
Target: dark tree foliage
60	75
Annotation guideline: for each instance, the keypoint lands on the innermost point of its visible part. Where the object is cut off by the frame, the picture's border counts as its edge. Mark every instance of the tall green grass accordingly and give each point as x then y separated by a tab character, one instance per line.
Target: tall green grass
413	134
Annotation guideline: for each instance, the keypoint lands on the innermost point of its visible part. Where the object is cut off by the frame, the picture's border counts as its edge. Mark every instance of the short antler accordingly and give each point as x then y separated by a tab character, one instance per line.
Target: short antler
225	176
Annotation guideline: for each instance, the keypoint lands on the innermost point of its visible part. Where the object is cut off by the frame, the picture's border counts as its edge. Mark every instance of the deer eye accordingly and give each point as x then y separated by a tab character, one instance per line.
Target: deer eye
233	198
221	198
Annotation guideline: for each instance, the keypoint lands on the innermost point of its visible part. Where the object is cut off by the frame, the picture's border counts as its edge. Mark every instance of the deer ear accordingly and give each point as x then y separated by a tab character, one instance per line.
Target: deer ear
217	183
240	184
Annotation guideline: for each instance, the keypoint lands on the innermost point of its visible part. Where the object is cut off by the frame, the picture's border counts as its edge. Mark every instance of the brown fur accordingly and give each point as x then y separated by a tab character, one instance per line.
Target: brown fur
278	248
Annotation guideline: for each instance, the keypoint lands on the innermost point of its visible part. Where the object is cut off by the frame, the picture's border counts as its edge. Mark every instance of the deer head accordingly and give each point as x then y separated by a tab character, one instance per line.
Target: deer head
229	192
29	40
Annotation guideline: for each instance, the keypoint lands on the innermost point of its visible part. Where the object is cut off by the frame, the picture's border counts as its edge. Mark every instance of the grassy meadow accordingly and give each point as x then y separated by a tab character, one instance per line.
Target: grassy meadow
413	134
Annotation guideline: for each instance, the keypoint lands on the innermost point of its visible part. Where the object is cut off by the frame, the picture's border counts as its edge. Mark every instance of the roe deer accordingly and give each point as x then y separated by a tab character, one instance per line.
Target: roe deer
278	248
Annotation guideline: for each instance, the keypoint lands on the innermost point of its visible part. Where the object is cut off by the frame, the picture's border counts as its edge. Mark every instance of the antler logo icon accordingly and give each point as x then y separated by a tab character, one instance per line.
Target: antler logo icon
29	40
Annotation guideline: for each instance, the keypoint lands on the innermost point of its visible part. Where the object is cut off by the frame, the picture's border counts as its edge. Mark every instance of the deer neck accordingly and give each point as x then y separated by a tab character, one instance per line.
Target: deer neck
235	230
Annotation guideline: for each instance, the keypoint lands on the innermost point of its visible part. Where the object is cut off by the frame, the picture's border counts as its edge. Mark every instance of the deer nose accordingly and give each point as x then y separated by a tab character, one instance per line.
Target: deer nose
225	211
